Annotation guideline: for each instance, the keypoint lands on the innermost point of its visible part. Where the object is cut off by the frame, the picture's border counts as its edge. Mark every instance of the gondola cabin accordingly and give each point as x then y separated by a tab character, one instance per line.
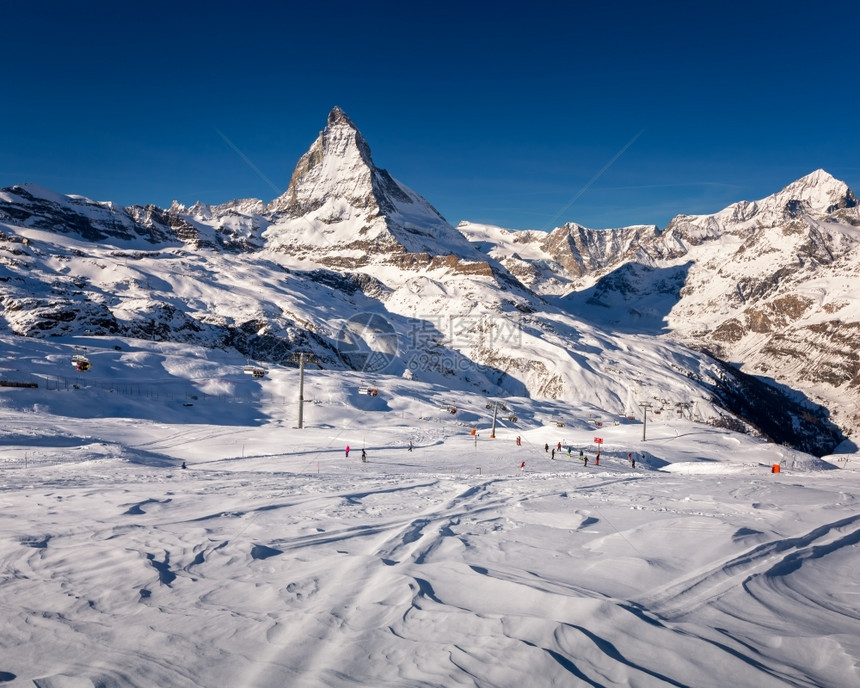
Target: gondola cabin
80	362
255	371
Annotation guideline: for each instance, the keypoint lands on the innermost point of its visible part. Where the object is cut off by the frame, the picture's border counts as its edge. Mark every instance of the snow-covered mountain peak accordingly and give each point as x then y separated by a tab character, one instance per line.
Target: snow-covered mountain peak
340	204
338	164
338	116
817	194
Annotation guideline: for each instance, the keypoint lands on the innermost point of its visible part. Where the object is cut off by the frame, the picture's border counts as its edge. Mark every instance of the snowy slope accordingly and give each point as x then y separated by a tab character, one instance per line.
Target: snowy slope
273	559
447	326
436	324
483	559
767	284
363	273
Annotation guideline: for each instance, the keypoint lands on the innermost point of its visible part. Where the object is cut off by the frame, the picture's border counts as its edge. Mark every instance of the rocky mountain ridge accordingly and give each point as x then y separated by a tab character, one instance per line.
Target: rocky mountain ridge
769	285
360	270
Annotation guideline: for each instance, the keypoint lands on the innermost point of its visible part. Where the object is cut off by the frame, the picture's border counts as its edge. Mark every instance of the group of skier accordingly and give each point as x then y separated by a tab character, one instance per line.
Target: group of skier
363	454
582	455
552	451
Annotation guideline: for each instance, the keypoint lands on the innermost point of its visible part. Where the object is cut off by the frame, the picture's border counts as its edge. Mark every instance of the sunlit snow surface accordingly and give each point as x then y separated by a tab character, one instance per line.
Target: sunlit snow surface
275	560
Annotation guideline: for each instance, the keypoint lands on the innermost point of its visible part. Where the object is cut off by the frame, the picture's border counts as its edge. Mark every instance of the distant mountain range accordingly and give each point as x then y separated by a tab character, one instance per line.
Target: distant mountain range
771	285
355	267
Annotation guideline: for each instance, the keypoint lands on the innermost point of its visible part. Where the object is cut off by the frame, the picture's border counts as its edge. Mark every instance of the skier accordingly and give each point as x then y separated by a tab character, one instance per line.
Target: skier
410	445
519	441
585	461
347	451
363	456
559	446
569	450
553	454
183	465
581	455
632	460
546	448
523	466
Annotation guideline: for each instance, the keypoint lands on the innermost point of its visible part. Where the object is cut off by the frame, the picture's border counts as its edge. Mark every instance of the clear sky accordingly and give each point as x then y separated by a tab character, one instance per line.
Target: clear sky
494	113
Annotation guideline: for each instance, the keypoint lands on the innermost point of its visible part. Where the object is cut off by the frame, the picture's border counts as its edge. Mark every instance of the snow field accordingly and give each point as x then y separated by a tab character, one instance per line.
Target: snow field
274	559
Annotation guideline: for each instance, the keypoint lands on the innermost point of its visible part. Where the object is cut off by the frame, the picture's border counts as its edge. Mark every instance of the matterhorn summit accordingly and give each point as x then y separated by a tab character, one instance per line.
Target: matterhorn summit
340	206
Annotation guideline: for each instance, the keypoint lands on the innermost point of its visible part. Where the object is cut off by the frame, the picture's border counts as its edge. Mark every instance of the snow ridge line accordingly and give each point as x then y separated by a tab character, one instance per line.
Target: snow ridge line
769	559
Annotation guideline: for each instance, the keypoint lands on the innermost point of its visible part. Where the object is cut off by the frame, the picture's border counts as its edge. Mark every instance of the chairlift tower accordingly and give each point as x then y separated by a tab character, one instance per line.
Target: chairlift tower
496	405
301	358
645	406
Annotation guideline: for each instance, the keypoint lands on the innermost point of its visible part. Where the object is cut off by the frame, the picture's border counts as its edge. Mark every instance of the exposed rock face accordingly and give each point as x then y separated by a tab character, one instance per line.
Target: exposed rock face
768	284
757	283
32	206
341	206
581	251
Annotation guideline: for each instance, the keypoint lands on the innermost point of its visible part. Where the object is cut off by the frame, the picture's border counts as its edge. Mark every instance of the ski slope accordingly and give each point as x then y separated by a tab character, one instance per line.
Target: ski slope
274	559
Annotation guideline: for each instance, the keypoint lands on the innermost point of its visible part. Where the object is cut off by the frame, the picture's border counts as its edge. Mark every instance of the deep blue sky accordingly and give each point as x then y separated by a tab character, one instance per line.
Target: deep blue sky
492	113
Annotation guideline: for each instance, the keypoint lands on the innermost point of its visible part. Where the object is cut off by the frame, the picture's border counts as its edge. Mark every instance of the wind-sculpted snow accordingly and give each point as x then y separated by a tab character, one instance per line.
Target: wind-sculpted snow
272	559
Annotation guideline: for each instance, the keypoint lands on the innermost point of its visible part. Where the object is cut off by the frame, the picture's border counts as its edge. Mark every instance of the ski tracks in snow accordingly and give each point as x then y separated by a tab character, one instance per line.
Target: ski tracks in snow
771	587
375	584
766	564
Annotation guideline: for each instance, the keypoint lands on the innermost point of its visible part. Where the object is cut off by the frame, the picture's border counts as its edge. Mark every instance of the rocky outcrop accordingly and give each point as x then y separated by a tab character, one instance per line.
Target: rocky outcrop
581	251
761	284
